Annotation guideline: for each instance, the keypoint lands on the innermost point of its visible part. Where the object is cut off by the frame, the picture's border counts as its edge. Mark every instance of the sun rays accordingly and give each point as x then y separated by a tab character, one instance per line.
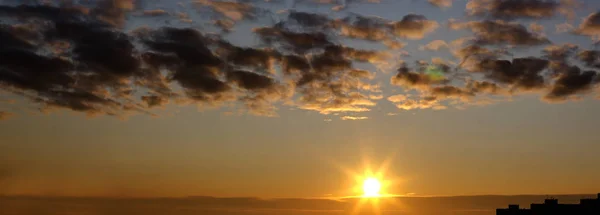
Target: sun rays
372	186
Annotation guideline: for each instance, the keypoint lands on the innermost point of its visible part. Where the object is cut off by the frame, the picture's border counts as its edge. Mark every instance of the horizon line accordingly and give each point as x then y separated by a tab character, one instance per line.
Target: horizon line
382	196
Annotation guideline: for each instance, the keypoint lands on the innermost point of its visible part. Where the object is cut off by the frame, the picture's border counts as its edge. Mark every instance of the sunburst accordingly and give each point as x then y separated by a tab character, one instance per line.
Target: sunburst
372	187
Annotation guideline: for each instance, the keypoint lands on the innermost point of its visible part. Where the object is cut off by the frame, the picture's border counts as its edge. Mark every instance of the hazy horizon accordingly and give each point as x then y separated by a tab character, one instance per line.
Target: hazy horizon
482	205
548	195
471	103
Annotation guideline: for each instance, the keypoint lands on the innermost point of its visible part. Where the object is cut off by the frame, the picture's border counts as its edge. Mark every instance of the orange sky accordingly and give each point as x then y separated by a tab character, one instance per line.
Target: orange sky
201	98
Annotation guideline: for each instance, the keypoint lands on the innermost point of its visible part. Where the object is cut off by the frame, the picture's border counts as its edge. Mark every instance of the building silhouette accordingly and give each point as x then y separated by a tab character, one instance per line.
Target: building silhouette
552	207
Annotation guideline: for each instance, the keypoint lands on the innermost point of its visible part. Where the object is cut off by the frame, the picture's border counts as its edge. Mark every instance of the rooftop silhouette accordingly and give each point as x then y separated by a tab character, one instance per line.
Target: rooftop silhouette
551	206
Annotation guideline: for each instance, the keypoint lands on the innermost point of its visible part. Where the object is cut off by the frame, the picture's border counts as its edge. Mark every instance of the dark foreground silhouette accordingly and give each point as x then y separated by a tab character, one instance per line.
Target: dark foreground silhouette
552	207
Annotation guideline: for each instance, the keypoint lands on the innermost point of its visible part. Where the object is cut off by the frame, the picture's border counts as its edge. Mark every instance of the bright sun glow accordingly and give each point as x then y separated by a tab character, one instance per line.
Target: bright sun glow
371	187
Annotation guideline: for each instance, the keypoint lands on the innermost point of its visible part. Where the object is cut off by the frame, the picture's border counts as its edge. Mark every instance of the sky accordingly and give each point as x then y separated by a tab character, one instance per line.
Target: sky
295	98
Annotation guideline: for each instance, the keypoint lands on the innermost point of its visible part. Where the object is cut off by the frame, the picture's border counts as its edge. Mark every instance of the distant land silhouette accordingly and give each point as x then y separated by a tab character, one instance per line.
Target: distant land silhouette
448	205
552	207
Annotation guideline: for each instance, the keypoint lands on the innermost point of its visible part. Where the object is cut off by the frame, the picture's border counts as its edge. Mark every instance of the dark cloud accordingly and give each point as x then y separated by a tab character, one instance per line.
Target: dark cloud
155	100
189	45
190	62
511	9
520	73
84	101
214	77
570	83
263	91
309	20
484	87
43	12
319	28
560	53
107	52
471	55
591	58
590	26
9	37
296	42
113	11
553	73
50	81
413	26
79	57
331	84
294	64
442	92
433	90
325	65
256	59
26	70
250	80
560	57
497	32
102	65
90	75
322	71
363	27
369	28
409	78
202	84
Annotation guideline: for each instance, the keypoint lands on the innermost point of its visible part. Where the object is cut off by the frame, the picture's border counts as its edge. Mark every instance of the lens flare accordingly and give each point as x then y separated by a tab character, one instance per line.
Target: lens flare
435	73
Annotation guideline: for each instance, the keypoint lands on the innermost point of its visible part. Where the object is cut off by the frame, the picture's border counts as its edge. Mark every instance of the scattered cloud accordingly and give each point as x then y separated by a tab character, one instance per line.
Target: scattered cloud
409	78
84	57
498	32
414	26
571	84
441	3
590	26
591	58
520	73
363	27
513	9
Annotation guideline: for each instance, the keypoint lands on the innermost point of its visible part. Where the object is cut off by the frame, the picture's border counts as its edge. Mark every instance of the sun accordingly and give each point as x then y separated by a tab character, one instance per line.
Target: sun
371	187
